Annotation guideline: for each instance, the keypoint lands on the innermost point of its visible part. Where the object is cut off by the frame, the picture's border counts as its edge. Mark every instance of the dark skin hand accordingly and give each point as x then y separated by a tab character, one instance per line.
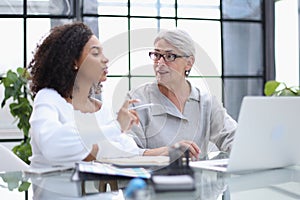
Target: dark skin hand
93	154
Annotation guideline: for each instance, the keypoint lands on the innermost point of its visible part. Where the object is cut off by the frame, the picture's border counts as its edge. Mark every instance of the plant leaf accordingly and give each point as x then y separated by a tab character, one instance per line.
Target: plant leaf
24	186
270	87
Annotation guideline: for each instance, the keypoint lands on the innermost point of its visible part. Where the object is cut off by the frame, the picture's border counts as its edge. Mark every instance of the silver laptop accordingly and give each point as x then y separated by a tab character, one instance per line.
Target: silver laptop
267	136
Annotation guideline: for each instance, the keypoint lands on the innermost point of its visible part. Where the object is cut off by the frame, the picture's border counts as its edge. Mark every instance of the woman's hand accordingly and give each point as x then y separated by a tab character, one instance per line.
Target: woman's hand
127	118
192	147
93	153
186	144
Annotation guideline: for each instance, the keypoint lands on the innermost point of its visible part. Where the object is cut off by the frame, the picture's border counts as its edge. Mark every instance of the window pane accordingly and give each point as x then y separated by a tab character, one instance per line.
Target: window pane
11	51
118	64
166	24
287	41
139	23
141	64
199	9
209	84
37	29
90	7
105	7
110	27
141	42
114	91
243	50
235	89
12	45
237	9
144	8
11	7
143	32
207	37
51	7
113	34
152	8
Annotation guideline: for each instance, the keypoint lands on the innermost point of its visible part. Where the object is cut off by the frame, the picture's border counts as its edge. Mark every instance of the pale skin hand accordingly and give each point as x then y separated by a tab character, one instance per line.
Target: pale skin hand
193	148
163	151
127	118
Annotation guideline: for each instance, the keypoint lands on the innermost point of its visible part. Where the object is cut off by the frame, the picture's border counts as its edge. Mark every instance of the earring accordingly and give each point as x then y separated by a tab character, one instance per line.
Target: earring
75	67
187	72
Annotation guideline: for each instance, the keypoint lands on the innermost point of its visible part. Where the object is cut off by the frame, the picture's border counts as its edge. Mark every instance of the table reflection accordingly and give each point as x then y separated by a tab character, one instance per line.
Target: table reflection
15	180
269	184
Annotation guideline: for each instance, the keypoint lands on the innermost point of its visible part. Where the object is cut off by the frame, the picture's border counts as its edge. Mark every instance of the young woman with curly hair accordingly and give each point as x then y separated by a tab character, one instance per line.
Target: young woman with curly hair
65	66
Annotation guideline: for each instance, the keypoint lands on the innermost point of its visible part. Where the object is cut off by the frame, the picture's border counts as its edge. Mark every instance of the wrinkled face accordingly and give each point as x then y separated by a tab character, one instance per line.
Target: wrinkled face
92	63
169	72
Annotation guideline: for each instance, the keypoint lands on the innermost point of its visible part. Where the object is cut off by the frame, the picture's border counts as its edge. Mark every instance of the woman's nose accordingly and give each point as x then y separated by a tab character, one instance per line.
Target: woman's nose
104	59
161	60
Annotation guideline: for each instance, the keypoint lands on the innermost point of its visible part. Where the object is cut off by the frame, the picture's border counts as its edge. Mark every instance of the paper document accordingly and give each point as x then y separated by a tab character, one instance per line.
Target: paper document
138	161
108	169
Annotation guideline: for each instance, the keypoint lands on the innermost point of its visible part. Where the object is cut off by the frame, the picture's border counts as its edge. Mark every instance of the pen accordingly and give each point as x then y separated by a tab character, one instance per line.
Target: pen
141	107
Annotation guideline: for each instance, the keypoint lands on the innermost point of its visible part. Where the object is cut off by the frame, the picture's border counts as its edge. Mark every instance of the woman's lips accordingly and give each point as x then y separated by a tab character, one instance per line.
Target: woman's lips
162	72
105	70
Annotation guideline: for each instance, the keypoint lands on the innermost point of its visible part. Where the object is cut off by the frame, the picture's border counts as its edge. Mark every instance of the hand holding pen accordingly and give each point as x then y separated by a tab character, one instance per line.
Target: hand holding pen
127	117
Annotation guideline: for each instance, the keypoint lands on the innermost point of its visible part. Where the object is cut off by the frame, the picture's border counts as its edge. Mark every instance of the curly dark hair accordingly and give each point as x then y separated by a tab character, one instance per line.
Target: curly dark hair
53	63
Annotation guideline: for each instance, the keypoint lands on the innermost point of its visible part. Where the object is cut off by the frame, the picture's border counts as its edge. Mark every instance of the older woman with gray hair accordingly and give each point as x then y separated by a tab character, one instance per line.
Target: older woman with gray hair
182	113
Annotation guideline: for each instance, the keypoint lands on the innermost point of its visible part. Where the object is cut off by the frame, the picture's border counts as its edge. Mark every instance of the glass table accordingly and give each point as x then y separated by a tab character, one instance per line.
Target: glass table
283	183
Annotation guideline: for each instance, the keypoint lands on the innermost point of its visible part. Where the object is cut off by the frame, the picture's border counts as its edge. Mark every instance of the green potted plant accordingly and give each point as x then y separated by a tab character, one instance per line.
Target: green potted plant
16	89
276	88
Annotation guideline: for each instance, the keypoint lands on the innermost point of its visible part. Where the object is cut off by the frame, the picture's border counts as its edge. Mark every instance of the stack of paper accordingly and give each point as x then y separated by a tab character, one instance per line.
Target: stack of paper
138	161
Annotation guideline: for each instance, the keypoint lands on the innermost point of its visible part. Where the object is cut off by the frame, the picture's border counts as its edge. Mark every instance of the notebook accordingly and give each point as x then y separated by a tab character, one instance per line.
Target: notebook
102	171
267	136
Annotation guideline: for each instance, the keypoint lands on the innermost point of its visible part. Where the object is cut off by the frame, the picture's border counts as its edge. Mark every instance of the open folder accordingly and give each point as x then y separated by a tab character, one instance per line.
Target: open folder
97	171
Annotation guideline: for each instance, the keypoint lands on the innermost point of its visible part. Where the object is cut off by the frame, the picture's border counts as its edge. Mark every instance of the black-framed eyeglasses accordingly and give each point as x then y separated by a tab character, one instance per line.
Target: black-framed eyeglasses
168	57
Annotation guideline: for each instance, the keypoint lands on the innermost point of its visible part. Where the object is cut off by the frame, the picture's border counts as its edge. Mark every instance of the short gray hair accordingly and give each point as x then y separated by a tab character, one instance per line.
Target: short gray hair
180	39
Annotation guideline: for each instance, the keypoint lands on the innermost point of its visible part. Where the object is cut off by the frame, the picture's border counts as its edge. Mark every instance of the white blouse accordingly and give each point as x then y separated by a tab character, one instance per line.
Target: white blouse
61	136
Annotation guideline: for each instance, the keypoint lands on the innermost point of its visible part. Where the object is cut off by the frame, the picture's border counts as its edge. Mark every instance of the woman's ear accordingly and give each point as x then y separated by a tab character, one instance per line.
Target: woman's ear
190	63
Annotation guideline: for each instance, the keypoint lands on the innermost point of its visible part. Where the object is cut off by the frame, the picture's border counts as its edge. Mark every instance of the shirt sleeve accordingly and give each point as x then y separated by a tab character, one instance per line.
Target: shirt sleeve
58	142
111	129
137	131
222	126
